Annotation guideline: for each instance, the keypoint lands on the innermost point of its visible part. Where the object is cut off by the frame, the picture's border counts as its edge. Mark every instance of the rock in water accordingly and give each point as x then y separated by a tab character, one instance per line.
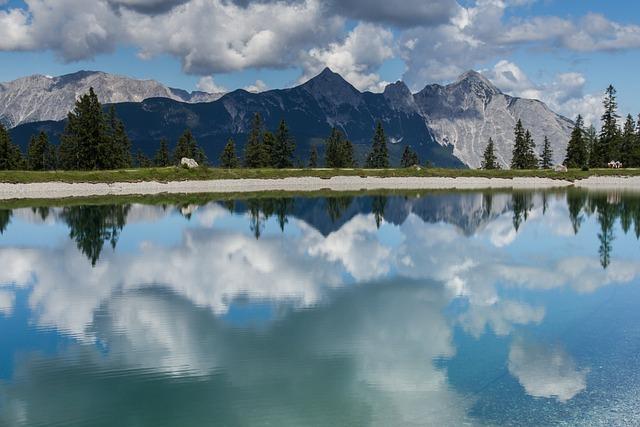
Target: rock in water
188	163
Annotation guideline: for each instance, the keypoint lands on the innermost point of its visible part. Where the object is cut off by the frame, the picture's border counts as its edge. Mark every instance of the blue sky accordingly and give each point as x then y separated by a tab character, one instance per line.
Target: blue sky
564	52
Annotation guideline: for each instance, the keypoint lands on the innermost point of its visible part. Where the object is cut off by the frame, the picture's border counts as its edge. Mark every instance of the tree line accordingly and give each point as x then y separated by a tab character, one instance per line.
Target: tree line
587	148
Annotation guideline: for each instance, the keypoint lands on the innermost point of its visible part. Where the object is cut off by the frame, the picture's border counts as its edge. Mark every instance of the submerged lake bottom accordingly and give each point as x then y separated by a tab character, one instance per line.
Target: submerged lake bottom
409	309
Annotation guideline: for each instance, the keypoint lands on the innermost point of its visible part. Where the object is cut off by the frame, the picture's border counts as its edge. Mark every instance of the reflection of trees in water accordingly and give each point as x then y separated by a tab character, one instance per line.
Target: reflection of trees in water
91	226
576	200
260	210
487	204
606	219
377	206
336	206
5	219
42	212
522	203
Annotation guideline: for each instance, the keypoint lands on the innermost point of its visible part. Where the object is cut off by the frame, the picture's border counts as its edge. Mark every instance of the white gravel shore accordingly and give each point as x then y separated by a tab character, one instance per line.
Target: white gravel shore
48	190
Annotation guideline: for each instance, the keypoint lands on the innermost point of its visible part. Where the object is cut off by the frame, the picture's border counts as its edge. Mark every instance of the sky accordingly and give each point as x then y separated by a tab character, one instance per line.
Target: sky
563	52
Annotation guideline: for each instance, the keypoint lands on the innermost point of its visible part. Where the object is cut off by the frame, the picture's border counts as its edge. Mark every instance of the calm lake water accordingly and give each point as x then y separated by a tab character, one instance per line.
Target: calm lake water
438	309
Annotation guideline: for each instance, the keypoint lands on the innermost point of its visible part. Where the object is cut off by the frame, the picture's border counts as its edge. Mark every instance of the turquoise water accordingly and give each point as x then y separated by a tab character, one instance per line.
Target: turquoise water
423	309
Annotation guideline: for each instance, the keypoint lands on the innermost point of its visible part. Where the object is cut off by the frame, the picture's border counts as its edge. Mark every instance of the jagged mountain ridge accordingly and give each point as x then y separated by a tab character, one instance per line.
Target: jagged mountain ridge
448	125
40	98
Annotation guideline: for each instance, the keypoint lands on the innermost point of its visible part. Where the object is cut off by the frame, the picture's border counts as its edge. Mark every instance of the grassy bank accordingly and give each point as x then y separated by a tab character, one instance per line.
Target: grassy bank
181	174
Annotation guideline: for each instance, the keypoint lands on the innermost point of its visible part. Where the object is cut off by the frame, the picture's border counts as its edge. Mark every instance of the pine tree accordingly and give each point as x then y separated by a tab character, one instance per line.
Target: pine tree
489	159
313	157
576	156
185	147
257	151
10	155
520	148
591	142
228	157
531	159
40	153
346	154
628	142
409	158
116	152
607	148
546	159
162	157
378	158
283	148
333	151
142	161
84	142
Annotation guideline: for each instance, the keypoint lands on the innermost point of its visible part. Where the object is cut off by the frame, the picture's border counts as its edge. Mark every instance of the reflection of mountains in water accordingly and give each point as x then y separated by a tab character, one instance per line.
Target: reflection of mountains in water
468	211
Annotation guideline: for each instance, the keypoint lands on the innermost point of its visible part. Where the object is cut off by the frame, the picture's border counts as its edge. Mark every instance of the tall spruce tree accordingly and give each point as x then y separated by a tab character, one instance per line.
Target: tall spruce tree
162	158
378	157
10	155
257	153
531	157
577	154
313	157
628	143
520	148
409	158
546	158
283	147
116	151
40	153
82	144
591	141
607	148
185	147
228	158
339	151
489	159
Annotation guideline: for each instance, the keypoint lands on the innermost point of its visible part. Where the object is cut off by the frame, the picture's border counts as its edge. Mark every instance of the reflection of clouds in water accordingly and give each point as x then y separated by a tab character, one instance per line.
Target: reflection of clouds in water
7	300
355	245
500	317
372	349
546	371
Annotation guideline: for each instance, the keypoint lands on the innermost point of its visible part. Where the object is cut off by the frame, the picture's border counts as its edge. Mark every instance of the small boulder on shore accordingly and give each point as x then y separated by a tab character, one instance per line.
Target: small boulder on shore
188	163
560	168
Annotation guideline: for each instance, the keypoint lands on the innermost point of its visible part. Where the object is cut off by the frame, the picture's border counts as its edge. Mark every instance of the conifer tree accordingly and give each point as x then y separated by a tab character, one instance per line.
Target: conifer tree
283	148
10	155
228	158
607	148
489	159
185	147
40	153
116	151
333	154
313	157
378	158
546	159
162	157
628	142
409	158
346	154
591	142
576	156
257	152
531	161
142	161
85	136
520	148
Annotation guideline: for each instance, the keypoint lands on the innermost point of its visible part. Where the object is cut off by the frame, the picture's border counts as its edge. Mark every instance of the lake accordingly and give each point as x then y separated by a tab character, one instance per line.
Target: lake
430	308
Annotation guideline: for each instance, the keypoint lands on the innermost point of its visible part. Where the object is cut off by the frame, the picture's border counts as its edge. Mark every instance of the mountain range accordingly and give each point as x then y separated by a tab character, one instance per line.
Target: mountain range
447	125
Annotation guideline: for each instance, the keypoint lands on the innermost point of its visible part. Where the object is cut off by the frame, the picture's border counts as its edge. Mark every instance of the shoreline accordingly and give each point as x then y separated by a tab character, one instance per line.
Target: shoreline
54	190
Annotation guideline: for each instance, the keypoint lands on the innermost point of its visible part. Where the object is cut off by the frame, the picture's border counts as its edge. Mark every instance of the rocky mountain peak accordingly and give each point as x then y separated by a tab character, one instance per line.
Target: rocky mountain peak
399	96
333	88
473	81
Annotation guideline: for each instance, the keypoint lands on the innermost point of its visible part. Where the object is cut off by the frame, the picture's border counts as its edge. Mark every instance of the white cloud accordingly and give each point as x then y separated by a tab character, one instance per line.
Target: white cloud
257	87
546	371
206	84
356	58
564	95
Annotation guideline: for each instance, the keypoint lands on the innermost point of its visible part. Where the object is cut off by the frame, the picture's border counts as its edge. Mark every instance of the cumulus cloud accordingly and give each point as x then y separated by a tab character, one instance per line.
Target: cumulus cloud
564	95
207	84
546	371
356	58
257	87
